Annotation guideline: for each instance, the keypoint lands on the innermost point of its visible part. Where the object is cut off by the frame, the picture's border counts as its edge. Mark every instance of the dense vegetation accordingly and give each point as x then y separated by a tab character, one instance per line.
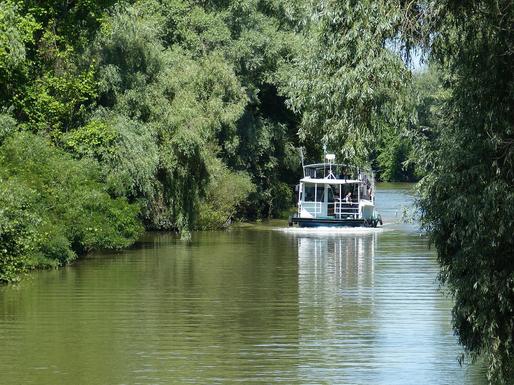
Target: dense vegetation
456	122
117	116
467	197
54	206
168	109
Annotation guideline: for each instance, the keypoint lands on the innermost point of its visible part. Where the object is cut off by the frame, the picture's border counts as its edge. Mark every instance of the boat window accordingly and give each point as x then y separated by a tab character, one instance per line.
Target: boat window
310	194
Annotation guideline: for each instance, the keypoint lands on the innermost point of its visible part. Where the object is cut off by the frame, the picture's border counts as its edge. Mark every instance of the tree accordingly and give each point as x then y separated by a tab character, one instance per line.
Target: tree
257	40
351	82
467	197
179	102
16	33
350	79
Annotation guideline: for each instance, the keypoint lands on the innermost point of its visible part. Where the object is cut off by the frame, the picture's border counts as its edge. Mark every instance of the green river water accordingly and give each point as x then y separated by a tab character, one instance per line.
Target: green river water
255	304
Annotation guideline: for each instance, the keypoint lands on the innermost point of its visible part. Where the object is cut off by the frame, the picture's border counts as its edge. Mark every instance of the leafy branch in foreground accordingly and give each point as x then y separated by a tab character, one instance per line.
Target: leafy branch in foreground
467	196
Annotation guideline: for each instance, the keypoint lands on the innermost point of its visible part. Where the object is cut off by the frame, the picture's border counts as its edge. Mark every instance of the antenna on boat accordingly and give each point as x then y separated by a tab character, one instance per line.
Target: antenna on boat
330	158
324	156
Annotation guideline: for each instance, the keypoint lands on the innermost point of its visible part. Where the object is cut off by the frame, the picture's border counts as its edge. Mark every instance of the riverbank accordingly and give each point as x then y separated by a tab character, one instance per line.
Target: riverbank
54	250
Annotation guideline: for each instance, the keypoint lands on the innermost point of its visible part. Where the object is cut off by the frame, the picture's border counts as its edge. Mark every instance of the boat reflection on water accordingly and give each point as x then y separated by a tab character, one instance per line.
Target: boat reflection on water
340	261
336	305
370	312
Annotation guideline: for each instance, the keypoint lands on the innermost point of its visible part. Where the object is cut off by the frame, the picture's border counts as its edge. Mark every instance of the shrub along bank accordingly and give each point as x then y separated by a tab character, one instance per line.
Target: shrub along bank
54	208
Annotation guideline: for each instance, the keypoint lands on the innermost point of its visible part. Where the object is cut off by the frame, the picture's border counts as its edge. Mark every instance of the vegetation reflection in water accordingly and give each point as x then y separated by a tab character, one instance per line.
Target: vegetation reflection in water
249	305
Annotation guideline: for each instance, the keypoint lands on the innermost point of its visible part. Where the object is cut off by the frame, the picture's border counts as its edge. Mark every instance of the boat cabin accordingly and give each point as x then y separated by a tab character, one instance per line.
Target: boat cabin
336	192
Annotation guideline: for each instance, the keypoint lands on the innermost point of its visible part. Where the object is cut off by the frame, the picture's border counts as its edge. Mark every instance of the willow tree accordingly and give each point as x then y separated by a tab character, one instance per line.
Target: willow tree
467	198
258	39
350	78
350	81
165	104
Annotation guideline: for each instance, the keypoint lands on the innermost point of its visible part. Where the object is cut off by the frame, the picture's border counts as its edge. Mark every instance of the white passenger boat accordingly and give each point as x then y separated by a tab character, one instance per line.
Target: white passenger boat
336	195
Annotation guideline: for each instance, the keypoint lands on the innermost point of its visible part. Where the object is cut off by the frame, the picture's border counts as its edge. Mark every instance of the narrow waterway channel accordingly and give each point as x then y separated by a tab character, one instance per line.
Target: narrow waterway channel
250	305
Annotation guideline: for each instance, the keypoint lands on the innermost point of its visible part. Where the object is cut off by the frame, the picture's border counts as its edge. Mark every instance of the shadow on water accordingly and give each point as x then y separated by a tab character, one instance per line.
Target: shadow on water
251	305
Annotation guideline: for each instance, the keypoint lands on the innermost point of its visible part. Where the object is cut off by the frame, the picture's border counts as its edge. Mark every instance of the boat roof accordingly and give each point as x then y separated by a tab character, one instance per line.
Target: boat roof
308	179
312	165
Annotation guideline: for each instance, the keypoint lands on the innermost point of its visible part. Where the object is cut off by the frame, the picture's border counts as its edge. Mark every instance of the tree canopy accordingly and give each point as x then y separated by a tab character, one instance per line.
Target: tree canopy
467	197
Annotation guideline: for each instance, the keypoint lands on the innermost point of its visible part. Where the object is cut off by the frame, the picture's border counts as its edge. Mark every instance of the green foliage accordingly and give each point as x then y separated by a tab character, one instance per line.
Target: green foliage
395	158
17	235
47	83
193	28
57	103
467	197
264	149
54	207
263	45
7	126
74	21
128	51
225	192
177	106
96	139
126	150
16	32
349	78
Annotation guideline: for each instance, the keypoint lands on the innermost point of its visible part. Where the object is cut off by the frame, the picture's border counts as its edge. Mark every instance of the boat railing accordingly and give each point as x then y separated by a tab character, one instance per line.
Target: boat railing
313	208
345	209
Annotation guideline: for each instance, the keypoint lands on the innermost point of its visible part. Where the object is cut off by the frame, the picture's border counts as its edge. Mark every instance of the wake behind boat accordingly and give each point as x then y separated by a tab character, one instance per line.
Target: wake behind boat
336	195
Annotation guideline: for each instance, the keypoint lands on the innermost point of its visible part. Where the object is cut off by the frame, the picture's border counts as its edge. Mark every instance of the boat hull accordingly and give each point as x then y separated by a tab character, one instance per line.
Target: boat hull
329	222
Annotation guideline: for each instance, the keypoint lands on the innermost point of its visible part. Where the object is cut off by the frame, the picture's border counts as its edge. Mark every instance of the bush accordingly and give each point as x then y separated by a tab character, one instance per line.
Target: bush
54	208
17	231
225	192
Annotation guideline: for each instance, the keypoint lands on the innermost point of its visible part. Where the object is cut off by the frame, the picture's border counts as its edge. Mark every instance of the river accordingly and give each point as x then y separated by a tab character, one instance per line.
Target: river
256	304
